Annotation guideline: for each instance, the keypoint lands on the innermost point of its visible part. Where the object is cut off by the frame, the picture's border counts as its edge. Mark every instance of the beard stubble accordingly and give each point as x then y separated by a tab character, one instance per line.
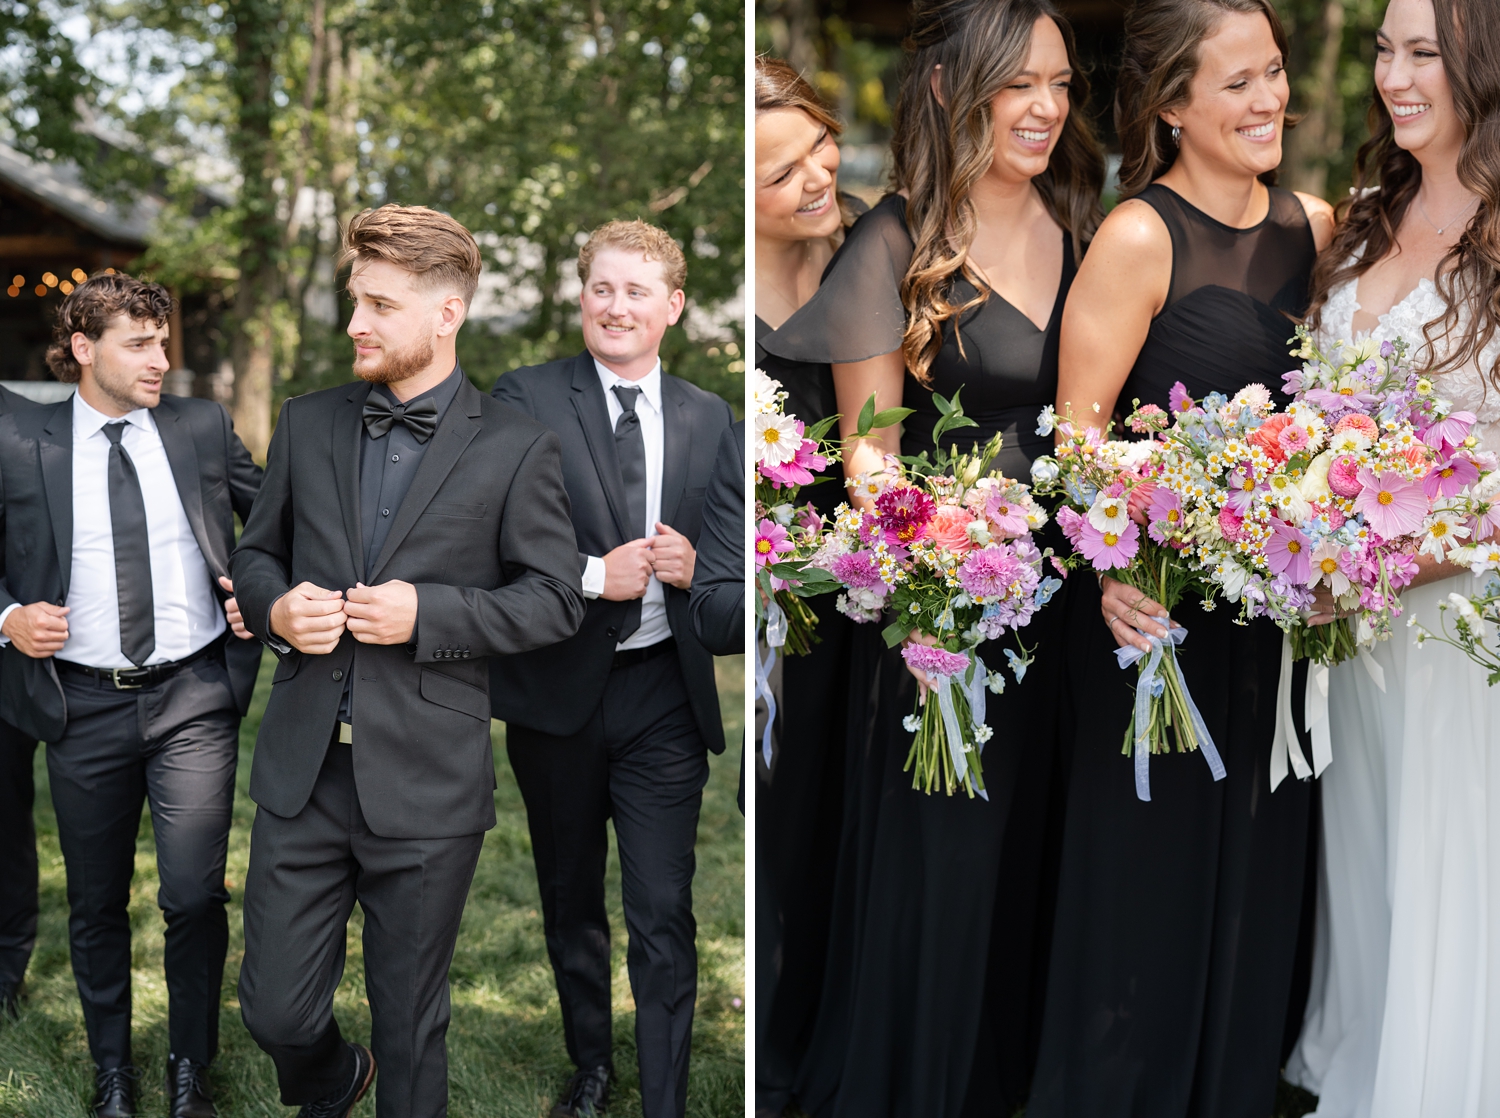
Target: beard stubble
398	366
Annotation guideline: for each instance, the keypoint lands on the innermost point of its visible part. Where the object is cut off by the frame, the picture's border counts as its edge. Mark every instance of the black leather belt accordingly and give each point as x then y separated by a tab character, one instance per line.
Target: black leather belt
632	656
133	679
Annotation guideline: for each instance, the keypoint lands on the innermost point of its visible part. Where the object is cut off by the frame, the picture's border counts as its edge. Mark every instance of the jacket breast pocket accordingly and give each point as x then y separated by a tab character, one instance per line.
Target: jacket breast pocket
454	508
455	694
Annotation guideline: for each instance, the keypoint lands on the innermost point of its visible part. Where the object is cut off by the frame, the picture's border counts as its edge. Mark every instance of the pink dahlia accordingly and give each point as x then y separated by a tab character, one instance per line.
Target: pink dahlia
1108	550
1447	478
771	542
1361	423
1288	552
1231	524
934	661
1292	439
990	572
858	570
1392	506
905	511
949	529
1343	476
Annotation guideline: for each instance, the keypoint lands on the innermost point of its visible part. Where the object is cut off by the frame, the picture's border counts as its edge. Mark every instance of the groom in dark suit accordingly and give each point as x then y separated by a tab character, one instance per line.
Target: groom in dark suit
409	529
616	722
117	515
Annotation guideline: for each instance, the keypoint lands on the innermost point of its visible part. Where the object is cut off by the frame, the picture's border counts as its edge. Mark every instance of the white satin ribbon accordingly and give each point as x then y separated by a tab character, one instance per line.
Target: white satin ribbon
776	627
1285	746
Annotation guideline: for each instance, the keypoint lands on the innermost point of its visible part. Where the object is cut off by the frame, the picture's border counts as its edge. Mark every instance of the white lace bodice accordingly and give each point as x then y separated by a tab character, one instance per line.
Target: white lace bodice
1466	387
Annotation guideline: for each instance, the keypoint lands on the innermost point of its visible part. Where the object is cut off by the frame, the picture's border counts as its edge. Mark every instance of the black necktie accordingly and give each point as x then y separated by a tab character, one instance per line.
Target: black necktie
127	521
420	419
630	445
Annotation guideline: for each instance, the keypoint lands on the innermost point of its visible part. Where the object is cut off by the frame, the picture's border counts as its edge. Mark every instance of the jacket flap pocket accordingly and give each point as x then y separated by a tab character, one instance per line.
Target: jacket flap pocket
455	508
455	694
286	666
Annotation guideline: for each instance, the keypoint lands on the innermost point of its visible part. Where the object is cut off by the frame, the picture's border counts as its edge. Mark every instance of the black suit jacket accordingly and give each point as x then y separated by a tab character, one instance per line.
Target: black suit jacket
718	601
556	690
216	478
483	533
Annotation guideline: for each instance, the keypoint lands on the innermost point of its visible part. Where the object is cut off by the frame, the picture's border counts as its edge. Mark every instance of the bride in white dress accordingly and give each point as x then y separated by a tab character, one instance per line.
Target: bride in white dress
1403	1020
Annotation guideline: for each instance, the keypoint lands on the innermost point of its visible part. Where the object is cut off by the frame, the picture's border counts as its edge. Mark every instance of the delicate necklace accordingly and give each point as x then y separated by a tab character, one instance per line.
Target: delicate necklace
1441	229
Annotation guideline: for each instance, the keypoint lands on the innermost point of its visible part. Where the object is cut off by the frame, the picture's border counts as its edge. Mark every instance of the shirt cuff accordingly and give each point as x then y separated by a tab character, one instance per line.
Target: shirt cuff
593	578
4	640
271	638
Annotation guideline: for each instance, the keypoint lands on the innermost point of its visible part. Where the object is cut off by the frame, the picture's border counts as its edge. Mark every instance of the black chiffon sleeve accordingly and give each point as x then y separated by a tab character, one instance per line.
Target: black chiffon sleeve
856	313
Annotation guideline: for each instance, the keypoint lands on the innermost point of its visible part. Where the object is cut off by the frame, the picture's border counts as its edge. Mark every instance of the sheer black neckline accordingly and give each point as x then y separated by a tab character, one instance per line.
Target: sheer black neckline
1215	222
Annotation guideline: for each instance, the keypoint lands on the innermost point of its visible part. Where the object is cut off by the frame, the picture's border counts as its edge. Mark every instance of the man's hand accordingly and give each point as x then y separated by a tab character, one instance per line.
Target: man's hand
384	614
232	612
309	618
38	630
627	570
673	557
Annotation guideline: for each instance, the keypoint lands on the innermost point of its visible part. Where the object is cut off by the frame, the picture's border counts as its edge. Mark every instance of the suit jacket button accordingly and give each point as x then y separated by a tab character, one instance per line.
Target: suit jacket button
612	632
337	675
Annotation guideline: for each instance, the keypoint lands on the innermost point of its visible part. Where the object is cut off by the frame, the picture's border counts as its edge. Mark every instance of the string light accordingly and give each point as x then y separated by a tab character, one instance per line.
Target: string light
40	289
18	281
49	279
79	275
13	291
65	287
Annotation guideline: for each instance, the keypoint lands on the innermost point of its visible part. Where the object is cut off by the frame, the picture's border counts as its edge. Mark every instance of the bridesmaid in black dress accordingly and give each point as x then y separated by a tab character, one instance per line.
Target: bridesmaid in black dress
1177	920
931	1007
799	222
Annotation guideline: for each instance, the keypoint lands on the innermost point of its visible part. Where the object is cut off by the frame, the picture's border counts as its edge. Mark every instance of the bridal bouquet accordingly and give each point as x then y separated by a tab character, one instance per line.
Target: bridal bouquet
948	556
1109	490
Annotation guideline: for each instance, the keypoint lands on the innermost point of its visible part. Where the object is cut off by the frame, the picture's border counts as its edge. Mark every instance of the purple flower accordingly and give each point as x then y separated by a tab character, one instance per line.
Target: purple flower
1289	552
1447	479
1071	521
858	570
934	661
1345	399
1178	398
904	513
1449	432
1392	506
1242	489
1164	515
1106	550
990	572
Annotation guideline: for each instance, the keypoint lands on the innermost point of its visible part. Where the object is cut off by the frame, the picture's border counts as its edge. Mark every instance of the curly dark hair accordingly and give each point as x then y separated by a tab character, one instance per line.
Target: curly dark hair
92	305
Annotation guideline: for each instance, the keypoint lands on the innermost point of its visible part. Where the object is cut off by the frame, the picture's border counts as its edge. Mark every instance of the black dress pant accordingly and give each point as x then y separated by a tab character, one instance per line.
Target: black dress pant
18	873
640	760
175	745
305	875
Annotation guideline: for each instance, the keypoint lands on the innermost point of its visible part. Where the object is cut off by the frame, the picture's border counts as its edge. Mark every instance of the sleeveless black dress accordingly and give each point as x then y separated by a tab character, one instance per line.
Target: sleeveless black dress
799	807
1178	920
931	1007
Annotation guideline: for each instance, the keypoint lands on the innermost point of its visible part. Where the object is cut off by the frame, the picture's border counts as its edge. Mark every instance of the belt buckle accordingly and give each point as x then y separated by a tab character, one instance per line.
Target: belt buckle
114	675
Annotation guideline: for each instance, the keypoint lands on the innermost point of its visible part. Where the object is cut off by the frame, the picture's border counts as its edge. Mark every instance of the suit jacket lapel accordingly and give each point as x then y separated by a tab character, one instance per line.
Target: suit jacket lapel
182	456
677	443
593	416
346	441
56	450
456	430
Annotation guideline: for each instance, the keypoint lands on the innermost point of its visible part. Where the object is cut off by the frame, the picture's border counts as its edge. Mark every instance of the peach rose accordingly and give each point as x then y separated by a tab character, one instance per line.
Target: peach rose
949	528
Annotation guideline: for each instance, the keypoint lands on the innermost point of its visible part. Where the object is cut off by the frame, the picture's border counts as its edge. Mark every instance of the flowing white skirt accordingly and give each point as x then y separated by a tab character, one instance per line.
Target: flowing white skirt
1403	1020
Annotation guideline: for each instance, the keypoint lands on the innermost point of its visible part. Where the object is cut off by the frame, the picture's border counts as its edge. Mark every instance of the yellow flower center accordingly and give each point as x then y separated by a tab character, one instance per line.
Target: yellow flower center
1111	510
763	546
1294	547
772	435
1386	497
1110	539
1328	566
1446	471
1173	516
1439	529
1248	485
1346	392
1004	510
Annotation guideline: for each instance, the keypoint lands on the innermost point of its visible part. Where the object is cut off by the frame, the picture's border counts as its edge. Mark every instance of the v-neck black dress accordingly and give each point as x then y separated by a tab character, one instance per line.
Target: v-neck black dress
1178	920
931	1007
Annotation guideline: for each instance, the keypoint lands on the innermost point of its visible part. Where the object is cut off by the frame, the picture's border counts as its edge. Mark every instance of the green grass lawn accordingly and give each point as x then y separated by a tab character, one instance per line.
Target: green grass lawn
505	1046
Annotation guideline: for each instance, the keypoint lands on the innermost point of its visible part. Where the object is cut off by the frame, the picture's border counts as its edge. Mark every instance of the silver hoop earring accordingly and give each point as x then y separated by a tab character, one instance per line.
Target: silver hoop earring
1177	135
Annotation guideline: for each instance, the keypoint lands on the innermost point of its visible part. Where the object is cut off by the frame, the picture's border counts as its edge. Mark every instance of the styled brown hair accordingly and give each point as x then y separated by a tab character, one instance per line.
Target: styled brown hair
779	86
435	249
942	148
651	241
92	305
1161	58
1387	177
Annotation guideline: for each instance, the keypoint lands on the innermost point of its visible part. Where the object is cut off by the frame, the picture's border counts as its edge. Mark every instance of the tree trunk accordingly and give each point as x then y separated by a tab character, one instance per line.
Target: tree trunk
1322	129
259	284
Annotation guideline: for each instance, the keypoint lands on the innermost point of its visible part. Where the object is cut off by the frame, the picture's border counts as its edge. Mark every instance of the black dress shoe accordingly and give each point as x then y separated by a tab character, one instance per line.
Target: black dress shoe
188	1093
10	1003
342	1104
587	1095
114	1093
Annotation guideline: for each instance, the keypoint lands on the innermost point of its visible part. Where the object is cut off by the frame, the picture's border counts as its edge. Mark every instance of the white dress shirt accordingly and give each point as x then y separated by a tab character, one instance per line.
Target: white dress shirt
654	626
187	614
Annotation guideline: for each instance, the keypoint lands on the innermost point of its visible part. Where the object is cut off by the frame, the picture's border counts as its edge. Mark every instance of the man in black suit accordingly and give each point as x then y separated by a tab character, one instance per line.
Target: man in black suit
18	883
616	722
409	529
116	523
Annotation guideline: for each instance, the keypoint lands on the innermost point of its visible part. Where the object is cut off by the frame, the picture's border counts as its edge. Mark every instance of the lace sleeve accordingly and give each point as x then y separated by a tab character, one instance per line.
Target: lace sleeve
856	313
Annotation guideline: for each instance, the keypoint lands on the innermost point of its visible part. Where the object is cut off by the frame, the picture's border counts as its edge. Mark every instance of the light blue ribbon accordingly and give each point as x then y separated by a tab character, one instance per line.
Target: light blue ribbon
1151	685
970	686
776	626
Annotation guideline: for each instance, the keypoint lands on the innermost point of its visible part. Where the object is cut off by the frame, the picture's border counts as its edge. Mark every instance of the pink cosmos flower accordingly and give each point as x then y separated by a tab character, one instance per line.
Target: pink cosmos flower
934	661
1178	398
1071	521
809	519
1343	476
1242	489
1447	478
771	543
1057	565
1344	399
1007	518
800	470
1106	550
990	572
1449	432
1392	506
948	529
1288	552
1164	515
1325	565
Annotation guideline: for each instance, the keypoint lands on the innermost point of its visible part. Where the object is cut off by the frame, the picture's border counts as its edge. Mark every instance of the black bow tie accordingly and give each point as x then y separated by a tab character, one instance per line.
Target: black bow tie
421	418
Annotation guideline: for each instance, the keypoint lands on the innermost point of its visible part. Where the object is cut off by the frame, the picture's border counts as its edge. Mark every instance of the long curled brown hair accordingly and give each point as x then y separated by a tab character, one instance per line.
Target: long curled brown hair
1387	178
1160	60
778	85
941	148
